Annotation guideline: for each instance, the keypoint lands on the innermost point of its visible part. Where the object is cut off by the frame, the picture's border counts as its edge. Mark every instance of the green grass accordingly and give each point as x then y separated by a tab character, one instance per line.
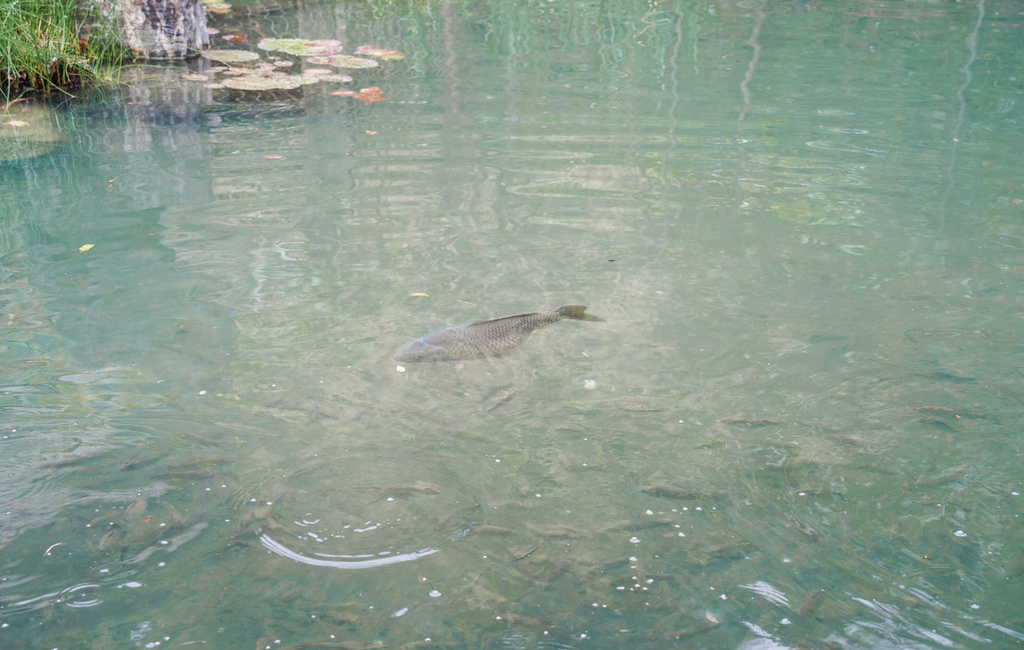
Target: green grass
40	48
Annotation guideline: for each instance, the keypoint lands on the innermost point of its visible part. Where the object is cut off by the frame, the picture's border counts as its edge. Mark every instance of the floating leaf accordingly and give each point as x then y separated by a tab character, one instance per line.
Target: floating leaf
212	31
381	53
218	7
195	77
16	123
420	295
368	95
337	78
234	38
275	81
344	61
373	92
327	75
85	247
231	56
300	46
307	79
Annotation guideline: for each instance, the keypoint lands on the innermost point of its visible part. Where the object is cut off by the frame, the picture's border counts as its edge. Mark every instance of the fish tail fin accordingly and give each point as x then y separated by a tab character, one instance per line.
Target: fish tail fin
576	312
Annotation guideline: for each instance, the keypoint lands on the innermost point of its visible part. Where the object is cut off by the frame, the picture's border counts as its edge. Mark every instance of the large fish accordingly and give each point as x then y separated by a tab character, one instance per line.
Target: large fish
484	338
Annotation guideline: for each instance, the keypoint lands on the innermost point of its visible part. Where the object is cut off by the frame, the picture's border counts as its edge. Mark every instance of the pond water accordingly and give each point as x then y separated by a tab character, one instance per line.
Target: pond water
797	426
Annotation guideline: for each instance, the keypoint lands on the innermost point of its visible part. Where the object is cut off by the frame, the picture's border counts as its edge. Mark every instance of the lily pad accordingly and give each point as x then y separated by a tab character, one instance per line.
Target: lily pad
195	77
344	61
276	81
300	46
218	7
336	78
231	56
381	53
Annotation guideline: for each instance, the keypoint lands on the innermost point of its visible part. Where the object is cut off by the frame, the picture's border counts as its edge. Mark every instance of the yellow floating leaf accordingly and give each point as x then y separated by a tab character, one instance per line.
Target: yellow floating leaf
420	295
82	249
16	123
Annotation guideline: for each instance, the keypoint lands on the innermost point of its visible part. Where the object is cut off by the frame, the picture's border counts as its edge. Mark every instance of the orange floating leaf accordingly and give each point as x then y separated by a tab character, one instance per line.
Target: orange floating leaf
367	95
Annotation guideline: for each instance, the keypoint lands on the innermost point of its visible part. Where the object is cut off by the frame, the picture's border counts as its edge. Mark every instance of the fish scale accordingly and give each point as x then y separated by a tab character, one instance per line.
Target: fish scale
485	338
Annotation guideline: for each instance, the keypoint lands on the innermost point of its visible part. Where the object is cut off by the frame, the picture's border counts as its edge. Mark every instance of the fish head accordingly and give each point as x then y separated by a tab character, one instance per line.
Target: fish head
419	350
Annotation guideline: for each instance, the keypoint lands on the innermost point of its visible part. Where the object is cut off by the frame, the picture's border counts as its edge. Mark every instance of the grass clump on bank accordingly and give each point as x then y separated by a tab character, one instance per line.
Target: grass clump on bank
40	47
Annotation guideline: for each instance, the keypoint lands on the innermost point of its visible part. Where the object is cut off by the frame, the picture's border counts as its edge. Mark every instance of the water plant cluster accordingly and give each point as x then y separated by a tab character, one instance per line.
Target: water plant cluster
272	75
42	50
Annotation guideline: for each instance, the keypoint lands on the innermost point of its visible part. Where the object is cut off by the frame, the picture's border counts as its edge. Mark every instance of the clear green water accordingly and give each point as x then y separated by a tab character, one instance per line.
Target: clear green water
799	425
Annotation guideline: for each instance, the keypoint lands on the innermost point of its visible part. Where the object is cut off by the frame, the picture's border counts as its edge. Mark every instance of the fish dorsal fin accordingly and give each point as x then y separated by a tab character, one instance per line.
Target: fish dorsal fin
495	320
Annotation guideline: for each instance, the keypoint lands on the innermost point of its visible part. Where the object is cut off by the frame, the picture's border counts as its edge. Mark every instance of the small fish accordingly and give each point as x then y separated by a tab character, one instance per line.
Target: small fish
485	338
527	551
135	508
419	487
813	603
112	537
933	482
675	492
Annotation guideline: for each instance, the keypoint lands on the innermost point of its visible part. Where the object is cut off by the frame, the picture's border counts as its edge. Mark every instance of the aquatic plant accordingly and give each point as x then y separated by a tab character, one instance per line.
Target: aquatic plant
216	6
270	75
326	75
381	53
300	46
344	61
272	81
263	76
337	78
231	56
